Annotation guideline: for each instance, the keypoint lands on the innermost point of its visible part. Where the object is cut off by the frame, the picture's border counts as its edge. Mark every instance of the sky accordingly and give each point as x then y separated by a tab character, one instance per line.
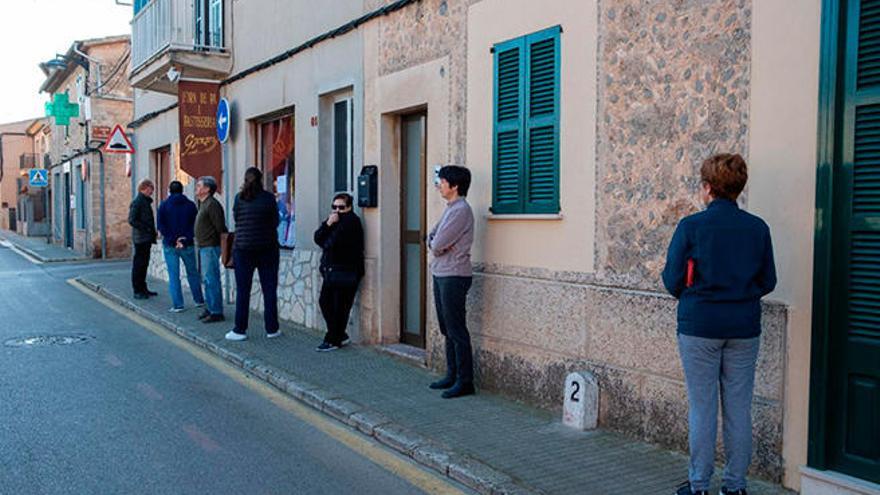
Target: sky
33	31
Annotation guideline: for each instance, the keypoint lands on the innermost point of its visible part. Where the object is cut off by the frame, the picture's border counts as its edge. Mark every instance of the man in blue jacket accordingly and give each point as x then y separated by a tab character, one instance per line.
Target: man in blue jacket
176	220
719	266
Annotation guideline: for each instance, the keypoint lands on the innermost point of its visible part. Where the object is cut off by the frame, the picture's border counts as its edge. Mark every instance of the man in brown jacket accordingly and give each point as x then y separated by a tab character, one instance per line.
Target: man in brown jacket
210	223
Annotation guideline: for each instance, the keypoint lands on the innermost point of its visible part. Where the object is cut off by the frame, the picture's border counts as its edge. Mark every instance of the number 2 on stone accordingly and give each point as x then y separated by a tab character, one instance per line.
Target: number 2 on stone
577	388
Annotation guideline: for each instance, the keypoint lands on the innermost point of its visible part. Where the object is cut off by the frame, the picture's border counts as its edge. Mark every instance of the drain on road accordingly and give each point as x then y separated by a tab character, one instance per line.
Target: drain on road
46	340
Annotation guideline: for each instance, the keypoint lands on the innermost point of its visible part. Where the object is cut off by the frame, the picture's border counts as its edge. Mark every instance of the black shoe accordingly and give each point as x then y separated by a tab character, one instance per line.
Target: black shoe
345	340
213	318
140	295
442	384
741	491
685	489
151	293
326	347
204	314
459	390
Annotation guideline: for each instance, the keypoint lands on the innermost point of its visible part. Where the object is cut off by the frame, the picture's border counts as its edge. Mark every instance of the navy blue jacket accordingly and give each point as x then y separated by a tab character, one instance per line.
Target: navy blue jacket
176	218
256	222
733	268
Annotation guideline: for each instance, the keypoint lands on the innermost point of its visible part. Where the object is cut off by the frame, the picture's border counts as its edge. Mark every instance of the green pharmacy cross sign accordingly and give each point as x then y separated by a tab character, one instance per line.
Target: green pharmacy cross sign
61	108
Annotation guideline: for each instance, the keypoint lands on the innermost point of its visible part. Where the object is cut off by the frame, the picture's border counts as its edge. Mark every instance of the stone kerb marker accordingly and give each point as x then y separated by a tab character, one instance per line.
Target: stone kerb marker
580	409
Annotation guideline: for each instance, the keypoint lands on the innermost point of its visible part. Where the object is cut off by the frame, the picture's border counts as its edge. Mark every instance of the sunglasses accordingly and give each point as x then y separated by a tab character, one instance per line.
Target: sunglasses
339	207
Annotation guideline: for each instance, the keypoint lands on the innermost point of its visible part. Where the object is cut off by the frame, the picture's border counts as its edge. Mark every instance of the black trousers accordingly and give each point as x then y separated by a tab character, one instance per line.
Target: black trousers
265	262
139	264
450	299
336	303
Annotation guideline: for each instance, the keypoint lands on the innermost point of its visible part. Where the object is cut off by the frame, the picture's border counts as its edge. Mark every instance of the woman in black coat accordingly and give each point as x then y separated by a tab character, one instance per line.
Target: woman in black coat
255	248
341	237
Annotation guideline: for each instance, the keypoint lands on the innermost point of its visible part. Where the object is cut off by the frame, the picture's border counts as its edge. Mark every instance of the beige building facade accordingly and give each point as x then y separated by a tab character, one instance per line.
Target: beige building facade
90	188
625	99
15	143
33	201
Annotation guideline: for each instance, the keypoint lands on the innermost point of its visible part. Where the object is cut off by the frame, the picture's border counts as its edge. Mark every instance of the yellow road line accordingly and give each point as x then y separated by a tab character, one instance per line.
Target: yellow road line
375	453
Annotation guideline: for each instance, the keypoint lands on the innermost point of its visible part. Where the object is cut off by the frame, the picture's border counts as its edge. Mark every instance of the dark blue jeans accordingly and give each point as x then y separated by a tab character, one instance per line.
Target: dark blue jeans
265	262
450	299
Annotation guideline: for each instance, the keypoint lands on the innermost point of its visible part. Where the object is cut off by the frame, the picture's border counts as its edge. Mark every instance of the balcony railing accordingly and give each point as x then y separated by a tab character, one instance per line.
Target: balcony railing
28	160
171	24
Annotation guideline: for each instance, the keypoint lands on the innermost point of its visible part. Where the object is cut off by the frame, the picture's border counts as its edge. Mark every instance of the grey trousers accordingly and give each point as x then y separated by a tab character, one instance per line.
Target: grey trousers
710	365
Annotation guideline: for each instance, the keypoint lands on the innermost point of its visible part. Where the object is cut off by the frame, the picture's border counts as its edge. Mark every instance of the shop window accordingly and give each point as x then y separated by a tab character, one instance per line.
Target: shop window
275	158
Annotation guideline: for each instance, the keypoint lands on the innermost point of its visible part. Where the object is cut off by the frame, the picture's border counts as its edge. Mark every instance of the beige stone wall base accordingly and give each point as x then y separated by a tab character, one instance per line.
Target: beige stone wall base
529	333
815	482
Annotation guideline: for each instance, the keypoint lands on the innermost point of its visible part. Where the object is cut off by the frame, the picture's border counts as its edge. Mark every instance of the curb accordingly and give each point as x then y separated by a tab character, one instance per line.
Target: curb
460	467
37	256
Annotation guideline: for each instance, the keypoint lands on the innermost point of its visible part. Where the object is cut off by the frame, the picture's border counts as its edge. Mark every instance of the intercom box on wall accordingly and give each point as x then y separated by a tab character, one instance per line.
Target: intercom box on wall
368	187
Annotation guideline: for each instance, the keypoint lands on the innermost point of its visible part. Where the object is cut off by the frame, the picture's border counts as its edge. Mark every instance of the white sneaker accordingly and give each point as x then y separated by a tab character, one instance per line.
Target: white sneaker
177	310
273	335
200	305
232	335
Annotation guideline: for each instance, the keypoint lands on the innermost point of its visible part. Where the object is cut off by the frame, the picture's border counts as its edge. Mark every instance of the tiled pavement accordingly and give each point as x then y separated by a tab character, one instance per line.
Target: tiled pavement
526	444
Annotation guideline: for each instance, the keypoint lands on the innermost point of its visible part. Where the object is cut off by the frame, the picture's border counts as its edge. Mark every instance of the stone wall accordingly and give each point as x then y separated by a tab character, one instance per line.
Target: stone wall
425	31
299	285
529	333
117	185
673	88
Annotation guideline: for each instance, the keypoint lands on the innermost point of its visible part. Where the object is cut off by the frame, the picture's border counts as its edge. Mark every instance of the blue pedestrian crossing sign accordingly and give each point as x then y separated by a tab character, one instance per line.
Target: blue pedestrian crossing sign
38	177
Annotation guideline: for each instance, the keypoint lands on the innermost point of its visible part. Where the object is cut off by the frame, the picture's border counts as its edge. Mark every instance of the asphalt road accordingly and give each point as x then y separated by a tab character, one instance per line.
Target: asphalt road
129	411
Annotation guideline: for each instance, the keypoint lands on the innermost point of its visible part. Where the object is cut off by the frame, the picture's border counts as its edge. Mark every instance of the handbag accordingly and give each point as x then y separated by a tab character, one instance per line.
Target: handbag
339	278
227	239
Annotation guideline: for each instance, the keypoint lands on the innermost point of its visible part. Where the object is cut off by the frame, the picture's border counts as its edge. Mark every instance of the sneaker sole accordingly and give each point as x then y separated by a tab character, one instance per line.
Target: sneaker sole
273	335
329	349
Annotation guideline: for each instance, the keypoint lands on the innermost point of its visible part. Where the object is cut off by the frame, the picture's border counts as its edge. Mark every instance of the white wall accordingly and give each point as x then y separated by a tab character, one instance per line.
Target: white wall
264	28
298	82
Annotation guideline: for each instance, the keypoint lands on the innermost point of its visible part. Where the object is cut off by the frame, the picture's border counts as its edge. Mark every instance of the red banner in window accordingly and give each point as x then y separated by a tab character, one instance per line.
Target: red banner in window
200	152
282	146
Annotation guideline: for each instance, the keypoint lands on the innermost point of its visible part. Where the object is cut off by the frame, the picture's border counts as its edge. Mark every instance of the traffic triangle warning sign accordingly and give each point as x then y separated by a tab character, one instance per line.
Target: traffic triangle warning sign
118	142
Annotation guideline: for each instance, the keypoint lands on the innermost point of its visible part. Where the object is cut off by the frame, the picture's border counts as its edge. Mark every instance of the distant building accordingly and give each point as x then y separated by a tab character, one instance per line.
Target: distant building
90	189
15	145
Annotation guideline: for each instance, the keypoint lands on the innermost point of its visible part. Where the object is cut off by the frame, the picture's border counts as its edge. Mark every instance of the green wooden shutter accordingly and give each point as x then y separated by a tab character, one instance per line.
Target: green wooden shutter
853	439
542	122
507	154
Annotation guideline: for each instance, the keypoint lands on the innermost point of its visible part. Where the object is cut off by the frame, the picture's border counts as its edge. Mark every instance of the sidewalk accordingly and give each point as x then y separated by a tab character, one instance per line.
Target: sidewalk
485	441
39	249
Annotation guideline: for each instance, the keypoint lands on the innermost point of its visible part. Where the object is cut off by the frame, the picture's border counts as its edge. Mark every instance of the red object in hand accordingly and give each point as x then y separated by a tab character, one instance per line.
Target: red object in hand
689	278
